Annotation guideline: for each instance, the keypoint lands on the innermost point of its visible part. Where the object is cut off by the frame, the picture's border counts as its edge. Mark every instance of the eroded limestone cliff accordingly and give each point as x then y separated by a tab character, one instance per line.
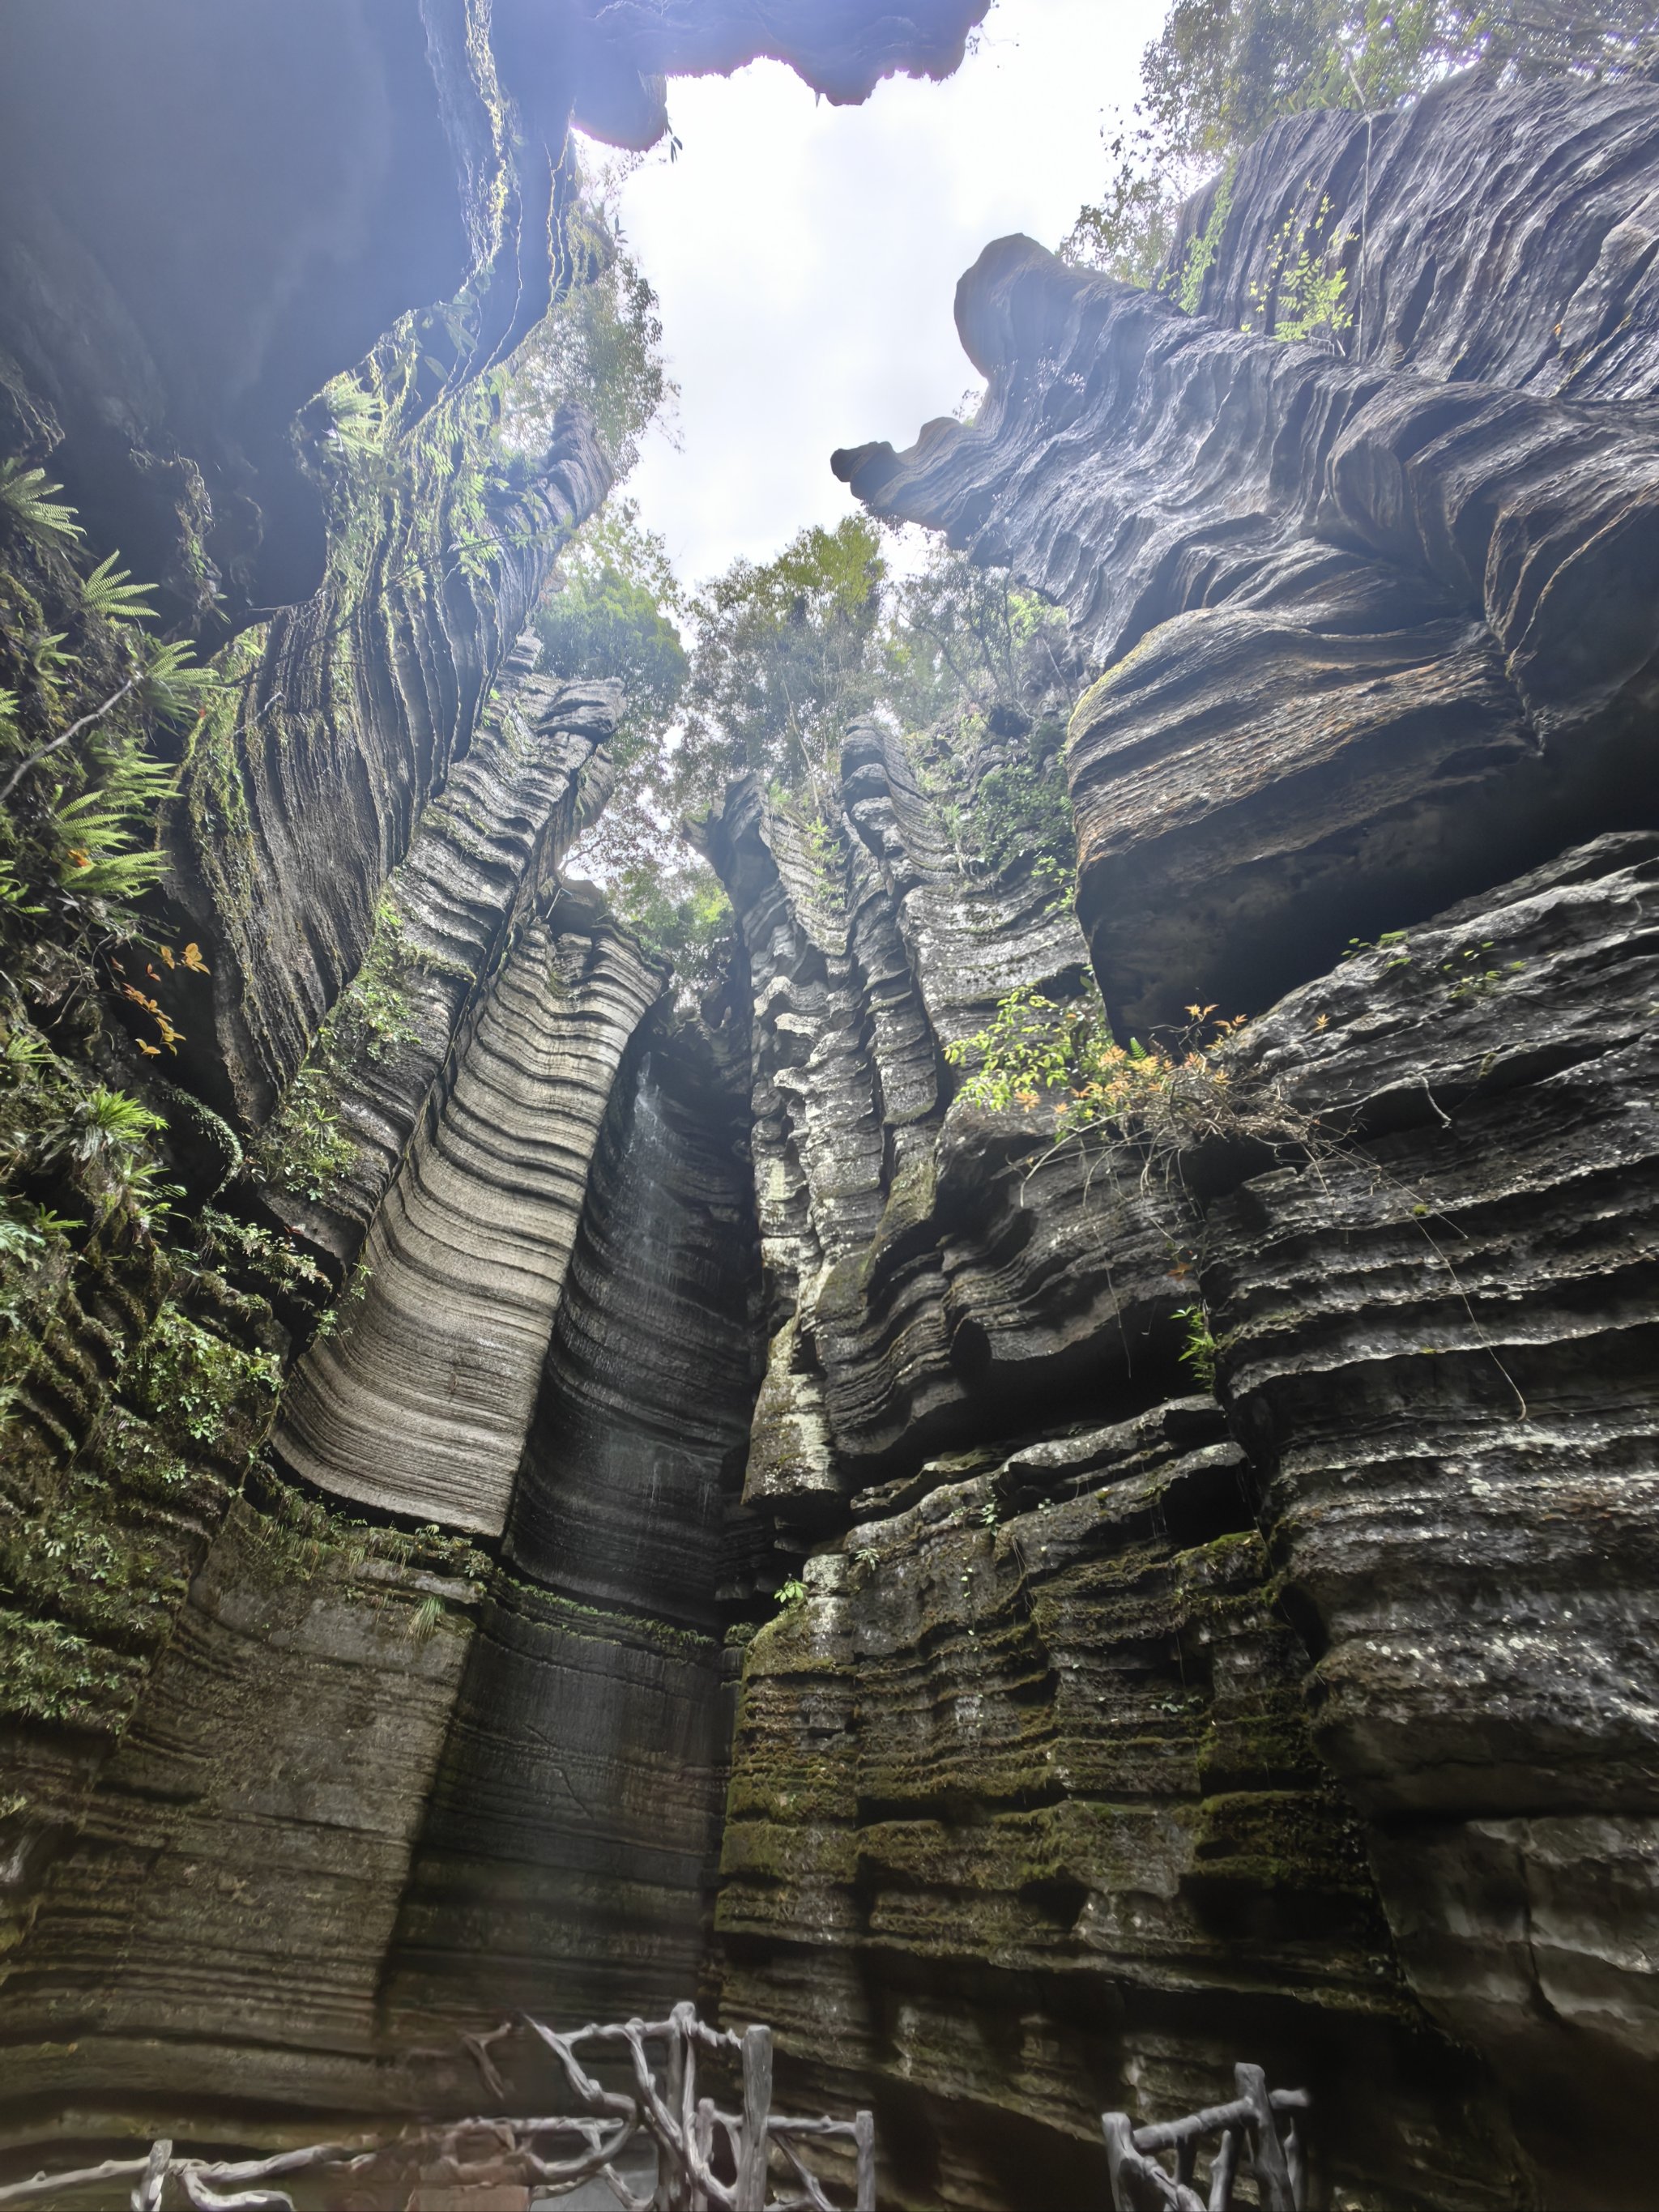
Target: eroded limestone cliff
1325	1705
372	1517
1214	1586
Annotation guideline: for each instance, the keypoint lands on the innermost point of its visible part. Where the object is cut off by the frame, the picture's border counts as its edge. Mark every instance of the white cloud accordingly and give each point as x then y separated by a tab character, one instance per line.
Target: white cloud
806	257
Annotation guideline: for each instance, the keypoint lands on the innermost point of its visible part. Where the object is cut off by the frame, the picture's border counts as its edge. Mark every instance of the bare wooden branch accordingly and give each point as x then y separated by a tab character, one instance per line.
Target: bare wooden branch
1141	2184
495	2149
45	752
1223	2171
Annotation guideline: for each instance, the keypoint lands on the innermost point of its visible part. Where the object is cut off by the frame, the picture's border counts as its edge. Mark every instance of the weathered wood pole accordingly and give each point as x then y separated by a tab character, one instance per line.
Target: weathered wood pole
671	2193
147	2196
1120	2149
1272	2175
863	2137
1222	2166
750	2196
702	2138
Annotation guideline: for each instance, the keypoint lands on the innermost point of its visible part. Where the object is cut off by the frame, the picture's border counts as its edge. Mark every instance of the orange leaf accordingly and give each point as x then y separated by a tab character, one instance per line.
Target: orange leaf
166	954
194	961
153	1051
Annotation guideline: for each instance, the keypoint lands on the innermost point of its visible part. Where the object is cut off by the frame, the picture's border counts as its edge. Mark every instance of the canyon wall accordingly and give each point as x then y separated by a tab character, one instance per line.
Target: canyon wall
1116	1725
598	1497
372	1509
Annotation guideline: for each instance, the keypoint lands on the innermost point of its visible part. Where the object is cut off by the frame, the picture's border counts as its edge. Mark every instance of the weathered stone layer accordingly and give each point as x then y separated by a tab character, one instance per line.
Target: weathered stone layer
420	1403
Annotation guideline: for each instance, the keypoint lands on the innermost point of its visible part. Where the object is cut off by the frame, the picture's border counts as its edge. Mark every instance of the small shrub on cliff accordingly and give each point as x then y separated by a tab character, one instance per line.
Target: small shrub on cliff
1165	1099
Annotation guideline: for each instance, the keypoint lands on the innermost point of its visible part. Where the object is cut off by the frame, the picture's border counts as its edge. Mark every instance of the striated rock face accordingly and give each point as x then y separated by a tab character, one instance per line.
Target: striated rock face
420	1403
1407	591
1444	1362
568	1856
1322	1720
289	1792
920	1272
316	777
1025	1818
1215	1586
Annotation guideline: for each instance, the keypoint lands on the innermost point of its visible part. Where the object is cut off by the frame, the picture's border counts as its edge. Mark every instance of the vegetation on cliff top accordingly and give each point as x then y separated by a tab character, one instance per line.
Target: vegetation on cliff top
1222	70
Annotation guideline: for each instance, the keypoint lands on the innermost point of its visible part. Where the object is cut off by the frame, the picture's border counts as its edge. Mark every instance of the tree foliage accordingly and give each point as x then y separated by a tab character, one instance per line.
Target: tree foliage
1222	70
784	657
599	343
615	609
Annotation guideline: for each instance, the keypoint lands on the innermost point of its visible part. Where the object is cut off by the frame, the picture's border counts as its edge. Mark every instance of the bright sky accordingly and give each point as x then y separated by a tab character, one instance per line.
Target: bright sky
806	257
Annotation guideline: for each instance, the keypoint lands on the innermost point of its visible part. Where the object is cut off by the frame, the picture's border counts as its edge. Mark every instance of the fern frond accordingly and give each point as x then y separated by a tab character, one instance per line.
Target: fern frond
174	686
110	592
27	497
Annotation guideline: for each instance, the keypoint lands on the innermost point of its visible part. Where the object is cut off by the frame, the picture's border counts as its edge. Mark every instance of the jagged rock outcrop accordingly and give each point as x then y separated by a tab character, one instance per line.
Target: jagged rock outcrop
1410	598
1377	656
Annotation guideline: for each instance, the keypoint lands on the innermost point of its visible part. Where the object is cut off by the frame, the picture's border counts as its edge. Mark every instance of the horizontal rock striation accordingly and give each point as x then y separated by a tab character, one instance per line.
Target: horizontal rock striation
927	1271
215	1936
305	791
482	853
419	1404
1407	598
1025	1781
1488	235
1440	1349
567	1856
1377	663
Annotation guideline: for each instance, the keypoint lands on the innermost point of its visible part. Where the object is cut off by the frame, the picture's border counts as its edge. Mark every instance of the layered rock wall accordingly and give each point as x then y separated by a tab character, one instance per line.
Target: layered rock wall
291	1791
1327	1724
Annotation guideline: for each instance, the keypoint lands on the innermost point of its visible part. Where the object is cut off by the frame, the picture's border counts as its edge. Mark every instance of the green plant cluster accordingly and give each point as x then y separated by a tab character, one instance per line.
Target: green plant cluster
1165	1099
1021	814
62	1134
304	1147
1300	293
190	1380
82	787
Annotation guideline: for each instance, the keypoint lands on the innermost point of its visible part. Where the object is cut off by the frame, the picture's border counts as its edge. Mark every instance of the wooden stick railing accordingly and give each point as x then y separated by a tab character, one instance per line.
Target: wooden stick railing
1278	2164
686	2129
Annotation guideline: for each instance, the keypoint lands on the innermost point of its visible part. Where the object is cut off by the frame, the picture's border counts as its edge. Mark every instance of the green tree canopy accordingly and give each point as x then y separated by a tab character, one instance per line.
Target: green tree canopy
600	343
614	609
784	658
1222	70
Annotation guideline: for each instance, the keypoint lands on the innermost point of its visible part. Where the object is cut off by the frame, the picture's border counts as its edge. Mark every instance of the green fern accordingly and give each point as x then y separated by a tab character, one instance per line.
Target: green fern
27	498
104	1127
111	592
175	687
98	833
